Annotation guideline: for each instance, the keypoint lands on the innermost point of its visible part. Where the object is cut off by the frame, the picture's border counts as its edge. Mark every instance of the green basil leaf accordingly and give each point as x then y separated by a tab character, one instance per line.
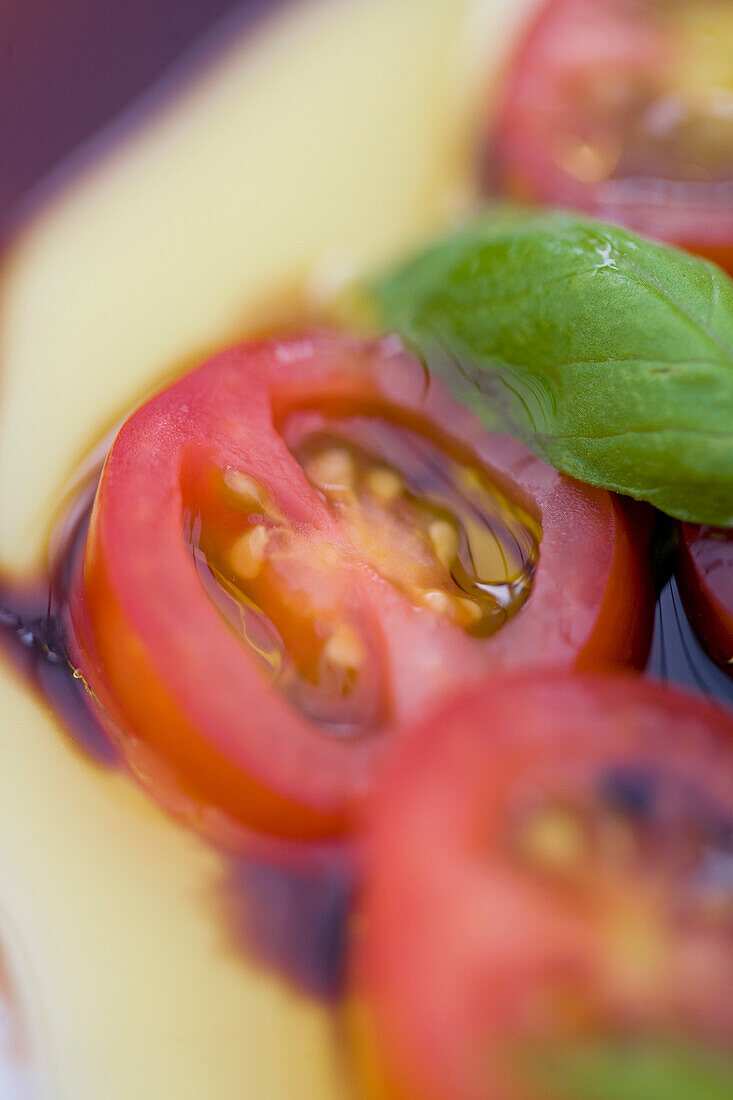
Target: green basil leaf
610	356
635	1070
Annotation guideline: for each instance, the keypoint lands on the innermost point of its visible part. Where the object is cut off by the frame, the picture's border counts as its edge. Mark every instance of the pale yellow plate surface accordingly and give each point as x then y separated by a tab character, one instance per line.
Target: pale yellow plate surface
323	143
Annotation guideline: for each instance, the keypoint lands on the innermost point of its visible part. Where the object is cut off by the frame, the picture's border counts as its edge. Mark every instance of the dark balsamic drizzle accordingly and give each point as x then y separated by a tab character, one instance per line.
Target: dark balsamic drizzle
290	916
676	654
295	919
32	634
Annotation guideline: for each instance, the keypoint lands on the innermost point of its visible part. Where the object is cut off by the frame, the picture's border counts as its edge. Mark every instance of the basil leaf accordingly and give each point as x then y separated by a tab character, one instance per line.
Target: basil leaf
610	356
635	1070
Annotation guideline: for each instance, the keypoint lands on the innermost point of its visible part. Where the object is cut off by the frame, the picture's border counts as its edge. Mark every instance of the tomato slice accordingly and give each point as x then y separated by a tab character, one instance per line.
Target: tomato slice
624	108
297	547
706	587
548	907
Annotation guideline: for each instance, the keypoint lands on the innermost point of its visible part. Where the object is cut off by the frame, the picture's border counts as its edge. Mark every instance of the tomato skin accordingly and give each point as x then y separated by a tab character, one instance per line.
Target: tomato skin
540	106
706	586
458	938
629	588
171	675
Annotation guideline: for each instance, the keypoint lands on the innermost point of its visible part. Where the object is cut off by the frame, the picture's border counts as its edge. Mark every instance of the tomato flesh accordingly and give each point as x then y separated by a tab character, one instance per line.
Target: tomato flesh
625	109
298	547
549	876
706	585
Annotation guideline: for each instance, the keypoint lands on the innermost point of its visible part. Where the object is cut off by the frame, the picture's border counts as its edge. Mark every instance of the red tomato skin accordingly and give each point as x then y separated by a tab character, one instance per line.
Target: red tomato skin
186	689
443	945
631	574
530	114
706	586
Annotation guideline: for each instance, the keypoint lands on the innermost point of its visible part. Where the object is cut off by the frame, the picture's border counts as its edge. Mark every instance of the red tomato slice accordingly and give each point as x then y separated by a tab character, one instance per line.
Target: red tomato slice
706	587
297	547
624	108
549	898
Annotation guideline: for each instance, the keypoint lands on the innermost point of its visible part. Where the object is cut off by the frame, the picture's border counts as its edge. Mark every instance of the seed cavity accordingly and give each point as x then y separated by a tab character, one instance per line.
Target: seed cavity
403	506
244	485
435	527
470	612
344	649
435	599
385	485
331	470
444	538
248	552
554	837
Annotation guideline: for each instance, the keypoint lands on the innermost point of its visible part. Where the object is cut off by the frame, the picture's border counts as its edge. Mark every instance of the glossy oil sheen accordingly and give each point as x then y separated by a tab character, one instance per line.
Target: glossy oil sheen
497	539
433	526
